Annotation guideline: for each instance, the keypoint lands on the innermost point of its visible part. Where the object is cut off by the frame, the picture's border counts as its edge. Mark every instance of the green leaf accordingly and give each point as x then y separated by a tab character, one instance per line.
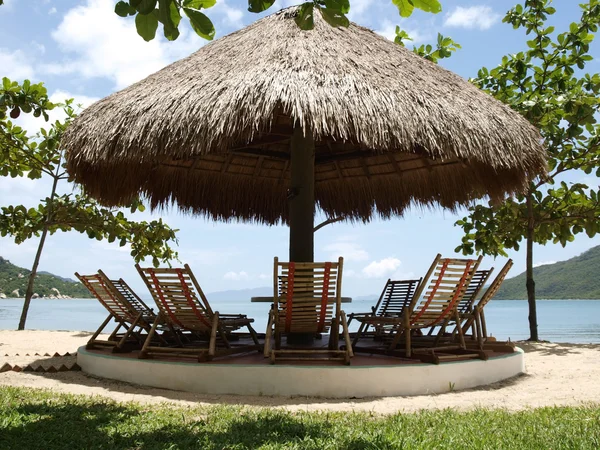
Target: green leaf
124	9
146	6
200	23
257	6
305	16
334	18
573	28
342	6
405	7
146	26
199	4
168	15
431	6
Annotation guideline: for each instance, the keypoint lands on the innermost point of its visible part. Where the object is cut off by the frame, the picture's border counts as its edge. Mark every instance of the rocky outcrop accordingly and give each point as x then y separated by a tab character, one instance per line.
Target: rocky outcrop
15	293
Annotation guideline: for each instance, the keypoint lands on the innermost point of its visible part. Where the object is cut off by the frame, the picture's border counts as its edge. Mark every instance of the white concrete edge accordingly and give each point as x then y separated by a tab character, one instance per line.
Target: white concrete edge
312	381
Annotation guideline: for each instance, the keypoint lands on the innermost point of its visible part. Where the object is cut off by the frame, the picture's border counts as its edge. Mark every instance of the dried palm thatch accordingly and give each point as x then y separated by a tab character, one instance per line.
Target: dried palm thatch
212	131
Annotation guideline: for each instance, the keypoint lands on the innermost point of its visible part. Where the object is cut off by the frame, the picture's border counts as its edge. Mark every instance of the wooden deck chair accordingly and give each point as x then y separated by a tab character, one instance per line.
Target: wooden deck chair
184	307
384	316
307	300
123	305
466	304
448	281
476	318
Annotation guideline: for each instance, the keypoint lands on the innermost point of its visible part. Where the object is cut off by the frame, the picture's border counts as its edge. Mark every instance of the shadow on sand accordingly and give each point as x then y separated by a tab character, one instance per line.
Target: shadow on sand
553	348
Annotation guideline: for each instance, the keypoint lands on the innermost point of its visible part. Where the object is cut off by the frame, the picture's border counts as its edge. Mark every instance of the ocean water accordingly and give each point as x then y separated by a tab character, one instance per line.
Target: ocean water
574	321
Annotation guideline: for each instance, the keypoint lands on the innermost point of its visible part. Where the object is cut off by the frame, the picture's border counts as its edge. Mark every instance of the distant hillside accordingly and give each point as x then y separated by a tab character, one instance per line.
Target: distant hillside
13	277
577	278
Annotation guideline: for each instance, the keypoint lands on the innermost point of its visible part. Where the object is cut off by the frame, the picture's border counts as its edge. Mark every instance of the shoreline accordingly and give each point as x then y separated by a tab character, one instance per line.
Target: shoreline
556	374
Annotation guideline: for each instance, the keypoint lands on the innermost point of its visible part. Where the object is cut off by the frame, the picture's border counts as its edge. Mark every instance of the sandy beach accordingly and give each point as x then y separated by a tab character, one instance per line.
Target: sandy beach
557	374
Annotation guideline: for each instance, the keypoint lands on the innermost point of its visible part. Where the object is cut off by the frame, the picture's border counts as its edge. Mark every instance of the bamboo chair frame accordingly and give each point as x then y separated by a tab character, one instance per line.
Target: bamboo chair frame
476	318
395	297
307	299
466	304
184	308
448	280
123	305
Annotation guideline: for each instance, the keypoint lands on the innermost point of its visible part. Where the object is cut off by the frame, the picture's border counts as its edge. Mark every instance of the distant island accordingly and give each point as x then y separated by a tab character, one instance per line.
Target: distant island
575	278
14	279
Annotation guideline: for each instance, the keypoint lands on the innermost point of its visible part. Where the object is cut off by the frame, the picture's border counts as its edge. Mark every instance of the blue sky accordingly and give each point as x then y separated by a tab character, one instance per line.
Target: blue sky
81	49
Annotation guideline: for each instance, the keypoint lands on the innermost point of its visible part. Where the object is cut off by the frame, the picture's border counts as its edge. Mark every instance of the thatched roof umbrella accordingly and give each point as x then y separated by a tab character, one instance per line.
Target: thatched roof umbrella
266	122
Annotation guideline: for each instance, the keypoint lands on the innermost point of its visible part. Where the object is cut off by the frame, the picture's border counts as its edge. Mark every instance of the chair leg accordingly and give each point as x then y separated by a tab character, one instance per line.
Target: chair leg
483	327
361	330
114	333
90	342
398	331
478	329
212	345
349	351
127	333
254	337
461	337
144	352
407	337
269	332
277	333
334	335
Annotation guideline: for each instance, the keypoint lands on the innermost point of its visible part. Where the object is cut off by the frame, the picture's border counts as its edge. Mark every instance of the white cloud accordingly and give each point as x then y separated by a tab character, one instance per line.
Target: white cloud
15	65
263	276
41	48
231	16
481	17
351	251
236	276
358	9
52	11
105	45
383	268
543	263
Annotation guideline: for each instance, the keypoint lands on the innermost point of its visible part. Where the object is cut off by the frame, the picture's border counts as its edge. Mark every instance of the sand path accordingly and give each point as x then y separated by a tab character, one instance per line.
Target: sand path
557	374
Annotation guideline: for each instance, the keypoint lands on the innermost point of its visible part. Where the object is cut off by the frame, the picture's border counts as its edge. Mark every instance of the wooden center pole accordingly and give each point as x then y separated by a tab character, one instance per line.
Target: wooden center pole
302	196
302	208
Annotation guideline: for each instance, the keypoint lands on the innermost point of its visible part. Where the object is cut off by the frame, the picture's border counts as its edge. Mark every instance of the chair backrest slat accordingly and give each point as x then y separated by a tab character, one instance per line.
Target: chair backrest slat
477	282
450	278
306	295
493	288
179	297
395	297
104	291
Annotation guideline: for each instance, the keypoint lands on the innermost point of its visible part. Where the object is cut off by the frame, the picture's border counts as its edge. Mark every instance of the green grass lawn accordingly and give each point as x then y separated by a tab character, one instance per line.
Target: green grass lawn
36	419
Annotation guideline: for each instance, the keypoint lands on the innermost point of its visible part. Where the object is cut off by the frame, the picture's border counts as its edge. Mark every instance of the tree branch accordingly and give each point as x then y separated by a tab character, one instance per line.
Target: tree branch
327	222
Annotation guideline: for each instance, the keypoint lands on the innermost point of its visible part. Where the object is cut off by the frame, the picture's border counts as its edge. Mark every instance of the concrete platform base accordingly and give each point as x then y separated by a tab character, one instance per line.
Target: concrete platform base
381	379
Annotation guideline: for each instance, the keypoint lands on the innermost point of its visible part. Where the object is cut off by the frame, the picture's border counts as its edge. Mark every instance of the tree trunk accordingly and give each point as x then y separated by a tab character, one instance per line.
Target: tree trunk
533	327
32	275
